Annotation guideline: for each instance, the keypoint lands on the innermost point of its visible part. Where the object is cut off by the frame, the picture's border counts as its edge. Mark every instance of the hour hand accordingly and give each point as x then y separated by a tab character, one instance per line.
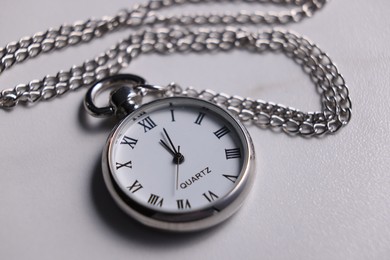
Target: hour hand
166	146
177	156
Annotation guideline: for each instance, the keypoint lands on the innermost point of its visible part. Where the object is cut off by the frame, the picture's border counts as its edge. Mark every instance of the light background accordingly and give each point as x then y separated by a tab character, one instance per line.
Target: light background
314	198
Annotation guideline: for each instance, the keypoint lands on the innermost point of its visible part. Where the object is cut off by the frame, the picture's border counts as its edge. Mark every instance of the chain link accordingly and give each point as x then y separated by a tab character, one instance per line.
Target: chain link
175	33
317	64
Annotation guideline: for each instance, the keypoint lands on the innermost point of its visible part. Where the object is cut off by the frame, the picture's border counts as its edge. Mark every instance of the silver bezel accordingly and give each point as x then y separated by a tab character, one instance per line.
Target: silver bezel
214	213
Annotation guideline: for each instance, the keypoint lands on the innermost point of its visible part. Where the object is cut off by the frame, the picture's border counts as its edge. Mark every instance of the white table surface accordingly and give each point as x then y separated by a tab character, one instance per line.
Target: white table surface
325	198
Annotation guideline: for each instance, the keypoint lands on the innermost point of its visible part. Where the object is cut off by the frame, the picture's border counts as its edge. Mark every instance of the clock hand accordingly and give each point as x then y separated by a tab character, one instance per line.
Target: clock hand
170	141
166	146
177	156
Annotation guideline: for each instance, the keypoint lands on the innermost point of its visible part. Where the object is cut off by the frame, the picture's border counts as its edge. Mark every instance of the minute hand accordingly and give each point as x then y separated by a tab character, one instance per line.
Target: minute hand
170	141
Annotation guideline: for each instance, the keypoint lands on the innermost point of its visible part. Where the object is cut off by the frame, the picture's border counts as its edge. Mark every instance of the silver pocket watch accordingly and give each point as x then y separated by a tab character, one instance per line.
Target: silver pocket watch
176	163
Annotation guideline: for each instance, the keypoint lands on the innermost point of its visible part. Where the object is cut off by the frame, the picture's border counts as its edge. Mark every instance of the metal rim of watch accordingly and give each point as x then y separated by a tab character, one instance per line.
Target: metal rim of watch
196	220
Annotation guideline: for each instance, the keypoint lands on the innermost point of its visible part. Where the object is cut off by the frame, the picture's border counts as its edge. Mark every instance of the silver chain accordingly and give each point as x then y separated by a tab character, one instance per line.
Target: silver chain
168	34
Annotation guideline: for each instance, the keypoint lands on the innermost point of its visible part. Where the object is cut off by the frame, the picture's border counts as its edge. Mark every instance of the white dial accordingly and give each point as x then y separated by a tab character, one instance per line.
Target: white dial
177	160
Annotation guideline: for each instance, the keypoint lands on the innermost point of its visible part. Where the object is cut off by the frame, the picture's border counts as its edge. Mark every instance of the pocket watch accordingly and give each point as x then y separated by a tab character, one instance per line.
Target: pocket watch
176	163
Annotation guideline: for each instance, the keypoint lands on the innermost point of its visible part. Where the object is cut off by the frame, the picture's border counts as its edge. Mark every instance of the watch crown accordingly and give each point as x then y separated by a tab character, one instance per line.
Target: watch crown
125	100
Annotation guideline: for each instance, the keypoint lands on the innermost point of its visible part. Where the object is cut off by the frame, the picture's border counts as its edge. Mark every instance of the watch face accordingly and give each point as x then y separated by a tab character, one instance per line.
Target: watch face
179	163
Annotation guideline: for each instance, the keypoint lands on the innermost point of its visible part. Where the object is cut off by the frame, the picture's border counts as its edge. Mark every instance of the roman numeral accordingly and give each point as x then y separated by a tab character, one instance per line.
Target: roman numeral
155	200
232	178
129	141
232	153
135	187
183	205
173	115
147	123
199	119
210	196
127	165
221	132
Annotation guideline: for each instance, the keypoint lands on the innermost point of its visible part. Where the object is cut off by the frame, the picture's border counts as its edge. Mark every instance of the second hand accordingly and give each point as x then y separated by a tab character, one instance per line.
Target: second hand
178	156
